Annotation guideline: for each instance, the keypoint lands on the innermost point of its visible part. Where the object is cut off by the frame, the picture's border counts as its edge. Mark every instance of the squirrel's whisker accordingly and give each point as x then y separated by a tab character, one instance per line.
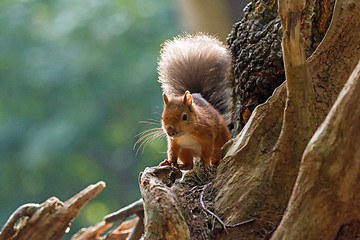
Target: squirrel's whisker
146	137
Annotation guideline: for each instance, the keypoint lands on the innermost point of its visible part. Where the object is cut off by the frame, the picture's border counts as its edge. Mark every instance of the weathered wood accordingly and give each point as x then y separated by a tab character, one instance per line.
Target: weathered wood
91	233
173	209
295	133
163	213
137	230
50	219
133	208
244	184
336	57
324	197
10	229
128	230
131	229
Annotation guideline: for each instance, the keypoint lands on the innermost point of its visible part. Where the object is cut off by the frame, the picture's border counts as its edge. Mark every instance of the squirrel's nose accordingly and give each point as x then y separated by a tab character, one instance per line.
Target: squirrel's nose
170	131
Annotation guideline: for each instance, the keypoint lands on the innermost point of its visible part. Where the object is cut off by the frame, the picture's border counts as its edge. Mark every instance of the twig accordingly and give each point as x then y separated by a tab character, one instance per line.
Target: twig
138	229
240	223
224	225
210	212
134	208
92	232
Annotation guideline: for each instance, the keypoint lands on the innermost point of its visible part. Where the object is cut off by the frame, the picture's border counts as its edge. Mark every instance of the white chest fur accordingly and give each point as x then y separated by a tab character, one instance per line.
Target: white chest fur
189	142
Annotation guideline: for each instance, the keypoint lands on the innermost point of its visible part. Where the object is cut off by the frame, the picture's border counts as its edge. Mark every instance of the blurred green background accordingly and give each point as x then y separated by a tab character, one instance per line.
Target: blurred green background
76	79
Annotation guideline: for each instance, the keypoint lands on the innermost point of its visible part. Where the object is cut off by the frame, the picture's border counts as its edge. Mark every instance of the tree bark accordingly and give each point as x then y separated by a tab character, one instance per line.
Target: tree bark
163	213
324	198
249	169
255	43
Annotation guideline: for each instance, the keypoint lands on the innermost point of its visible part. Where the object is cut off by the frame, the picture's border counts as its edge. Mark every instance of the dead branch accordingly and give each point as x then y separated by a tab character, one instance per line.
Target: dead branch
50	219
92	233
133	208
26	210
138	230
131	229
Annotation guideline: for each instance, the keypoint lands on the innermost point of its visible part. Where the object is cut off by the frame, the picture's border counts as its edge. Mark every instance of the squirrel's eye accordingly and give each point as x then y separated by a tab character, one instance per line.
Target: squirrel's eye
184	117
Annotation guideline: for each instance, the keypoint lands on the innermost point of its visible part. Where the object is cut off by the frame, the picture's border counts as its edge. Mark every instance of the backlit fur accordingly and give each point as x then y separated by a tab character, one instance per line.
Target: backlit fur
194	72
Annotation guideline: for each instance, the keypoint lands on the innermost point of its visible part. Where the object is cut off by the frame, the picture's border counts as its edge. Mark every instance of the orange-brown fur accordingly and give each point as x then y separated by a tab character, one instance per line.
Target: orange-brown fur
204	126
199	64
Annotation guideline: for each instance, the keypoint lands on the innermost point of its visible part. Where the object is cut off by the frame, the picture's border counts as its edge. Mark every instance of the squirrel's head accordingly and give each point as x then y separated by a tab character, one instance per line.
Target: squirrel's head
178	117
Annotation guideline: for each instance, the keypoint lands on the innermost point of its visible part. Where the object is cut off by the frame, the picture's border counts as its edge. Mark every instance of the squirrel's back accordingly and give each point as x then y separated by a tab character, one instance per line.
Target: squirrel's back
198	63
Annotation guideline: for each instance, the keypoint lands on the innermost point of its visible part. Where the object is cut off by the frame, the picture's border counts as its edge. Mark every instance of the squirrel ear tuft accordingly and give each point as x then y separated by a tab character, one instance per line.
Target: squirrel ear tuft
166	100
187	99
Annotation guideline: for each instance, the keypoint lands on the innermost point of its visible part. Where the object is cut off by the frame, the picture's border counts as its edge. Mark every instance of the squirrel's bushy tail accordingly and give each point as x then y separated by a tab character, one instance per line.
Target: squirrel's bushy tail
198	63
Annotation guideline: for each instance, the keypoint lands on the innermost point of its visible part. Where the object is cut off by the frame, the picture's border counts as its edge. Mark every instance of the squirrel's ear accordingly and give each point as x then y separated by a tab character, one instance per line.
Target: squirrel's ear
188	99
166	100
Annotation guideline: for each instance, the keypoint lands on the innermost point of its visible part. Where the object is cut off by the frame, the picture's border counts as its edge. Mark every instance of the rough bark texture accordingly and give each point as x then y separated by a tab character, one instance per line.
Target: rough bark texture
48	220
248	169
128	230
324	198
93	232
255	43
173	210
163	214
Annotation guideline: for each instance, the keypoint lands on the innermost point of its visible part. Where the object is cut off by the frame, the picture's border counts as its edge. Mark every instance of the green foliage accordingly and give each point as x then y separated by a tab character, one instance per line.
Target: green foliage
76	77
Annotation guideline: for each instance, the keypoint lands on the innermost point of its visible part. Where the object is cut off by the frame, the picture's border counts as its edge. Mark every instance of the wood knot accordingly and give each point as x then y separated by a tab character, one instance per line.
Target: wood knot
165	174
351	6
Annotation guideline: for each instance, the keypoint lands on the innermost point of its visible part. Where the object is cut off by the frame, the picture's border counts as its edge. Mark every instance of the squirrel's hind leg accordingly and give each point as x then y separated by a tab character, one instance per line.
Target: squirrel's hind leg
215	158
217	154
186	157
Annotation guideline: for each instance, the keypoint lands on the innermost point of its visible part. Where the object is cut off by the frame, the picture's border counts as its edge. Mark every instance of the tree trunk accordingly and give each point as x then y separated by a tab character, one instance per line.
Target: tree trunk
323	198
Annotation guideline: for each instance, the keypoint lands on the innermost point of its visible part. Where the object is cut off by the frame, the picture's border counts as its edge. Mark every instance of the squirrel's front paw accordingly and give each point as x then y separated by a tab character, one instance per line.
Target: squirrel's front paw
164	163
169	163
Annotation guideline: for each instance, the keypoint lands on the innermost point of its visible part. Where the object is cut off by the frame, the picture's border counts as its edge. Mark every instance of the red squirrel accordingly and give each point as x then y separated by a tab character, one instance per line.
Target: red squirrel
193	72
